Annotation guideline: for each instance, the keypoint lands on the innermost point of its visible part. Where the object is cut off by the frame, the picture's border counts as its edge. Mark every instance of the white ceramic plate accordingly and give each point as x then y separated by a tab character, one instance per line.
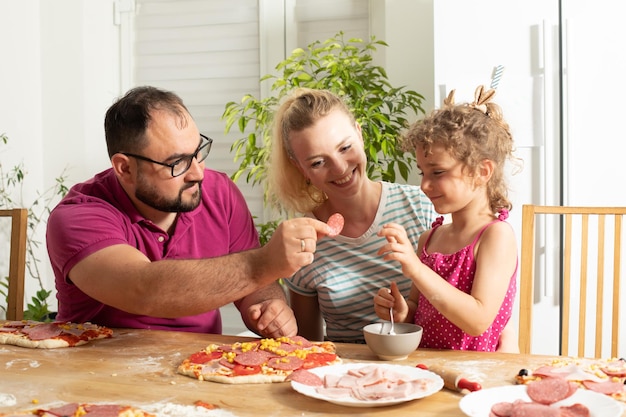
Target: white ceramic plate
410	371
478	403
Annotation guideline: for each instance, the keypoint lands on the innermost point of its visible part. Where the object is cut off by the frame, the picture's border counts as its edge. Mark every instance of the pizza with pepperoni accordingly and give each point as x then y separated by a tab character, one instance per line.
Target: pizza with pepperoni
50	335
84	410
606	376
257	361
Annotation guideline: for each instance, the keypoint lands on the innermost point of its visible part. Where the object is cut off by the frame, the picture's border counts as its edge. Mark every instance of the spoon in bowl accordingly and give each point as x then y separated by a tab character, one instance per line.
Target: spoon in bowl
391	330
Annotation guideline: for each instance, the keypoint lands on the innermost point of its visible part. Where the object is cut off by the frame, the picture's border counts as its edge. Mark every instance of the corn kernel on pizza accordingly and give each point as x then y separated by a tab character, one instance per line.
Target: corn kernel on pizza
606	376
258	361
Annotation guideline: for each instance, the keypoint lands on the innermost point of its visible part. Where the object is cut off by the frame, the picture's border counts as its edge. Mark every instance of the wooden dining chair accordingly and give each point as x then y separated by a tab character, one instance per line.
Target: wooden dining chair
17	262
589	243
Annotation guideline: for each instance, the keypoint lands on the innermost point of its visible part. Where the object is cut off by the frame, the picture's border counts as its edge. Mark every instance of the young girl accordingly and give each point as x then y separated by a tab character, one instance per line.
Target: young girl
464	279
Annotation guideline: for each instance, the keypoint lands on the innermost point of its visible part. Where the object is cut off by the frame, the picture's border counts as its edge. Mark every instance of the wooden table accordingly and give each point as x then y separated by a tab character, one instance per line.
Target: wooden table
139	367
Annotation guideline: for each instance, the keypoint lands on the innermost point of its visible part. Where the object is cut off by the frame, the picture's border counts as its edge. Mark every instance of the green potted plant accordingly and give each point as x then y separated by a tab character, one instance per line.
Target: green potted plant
11	183
345	67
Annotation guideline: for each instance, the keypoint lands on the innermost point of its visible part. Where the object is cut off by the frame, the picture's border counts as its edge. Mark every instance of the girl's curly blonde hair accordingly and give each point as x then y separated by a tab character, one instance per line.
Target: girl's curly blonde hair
471	132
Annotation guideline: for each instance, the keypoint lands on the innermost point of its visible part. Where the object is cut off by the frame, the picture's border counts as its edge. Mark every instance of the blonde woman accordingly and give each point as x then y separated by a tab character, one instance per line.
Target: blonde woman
318	168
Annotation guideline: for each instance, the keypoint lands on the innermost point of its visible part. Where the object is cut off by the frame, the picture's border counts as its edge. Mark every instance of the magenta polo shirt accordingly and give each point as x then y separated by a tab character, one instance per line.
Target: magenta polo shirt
98	213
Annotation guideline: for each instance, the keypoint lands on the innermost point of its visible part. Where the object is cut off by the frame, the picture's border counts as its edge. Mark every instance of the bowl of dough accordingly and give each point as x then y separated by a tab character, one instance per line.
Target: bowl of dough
396	346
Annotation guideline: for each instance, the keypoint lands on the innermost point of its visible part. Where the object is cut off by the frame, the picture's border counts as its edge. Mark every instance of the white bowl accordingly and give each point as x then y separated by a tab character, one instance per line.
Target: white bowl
392	347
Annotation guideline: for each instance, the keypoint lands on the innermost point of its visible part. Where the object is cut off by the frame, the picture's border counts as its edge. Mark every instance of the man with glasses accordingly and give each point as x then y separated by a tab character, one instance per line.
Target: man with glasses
158	241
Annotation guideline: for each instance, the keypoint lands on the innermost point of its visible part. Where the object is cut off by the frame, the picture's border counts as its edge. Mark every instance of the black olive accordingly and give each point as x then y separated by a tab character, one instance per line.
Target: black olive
523	372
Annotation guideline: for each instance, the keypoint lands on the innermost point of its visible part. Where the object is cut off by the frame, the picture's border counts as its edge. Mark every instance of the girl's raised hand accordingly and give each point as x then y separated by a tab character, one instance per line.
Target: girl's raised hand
399	248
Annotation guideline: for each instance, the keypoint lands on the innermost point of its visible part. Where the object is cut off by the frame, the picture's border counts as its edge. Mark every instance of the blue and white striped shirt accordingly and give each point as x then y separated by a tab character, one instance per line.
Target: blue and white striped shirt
347	272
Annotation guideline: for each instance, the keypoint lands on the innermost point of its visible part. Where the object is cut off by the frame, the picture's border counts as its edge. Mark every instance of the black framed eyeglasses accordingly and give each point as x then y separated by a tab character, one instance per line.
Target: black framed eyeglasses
182	165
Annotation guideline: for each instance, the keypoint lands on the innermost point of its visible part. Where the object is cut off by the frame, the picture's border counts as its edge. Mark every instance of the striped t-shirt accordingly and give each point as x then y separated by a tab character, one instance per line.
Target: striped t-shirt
347	272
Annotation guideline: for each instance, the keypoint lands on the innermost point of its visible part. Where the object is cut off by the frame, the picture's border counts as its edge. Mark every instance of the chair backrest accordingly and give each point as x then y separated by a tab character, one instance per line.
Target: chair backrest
17	262
589	242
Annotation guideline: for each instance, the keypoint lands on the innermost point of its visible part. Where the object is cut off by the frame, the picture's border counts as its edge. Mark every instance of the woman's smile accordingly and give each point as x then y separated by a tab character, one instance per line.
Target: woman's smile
345	179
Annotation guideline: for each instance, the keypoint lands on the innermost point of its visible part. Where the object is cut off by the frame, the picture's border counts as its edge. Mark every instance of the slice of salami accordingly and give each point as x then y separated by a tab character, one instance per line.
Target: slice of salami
287	347
502	409
606	387
104	410
8	329
573	387
42	331
305	377
286	363
224	362
615	368
547	371
253	358
301	342
549	390
522	409
64	410
575	410
336	224
230	348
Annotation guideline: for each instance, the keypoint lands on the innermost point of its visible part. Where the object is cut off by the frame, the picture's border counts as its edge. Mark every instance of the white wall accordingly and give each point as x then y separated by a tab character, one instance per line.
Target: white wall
20	88
59	73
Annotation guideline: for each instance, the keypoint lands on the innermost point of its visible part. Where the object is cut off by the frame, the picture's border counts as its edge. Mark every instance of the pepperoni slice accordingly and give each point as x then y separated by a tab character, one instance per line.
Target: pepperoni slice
522	409
288	347
606	387
8	329
253	358
105	410
575	410
616	368
502	409
64	410
43	331
305	377
335	222
549	390
286	363
224	362
301	341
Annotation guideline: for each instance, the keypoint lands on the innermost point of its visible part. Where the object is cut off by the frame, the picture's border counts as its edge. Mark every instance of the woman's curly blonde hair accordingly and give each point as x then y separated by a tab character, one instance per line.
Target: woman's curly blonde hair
471	132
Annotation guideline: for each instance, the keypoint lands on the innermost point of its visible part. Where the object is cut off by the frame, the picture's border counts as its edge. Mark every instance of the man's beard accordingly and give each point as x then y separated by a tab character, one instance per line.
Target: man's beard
150	196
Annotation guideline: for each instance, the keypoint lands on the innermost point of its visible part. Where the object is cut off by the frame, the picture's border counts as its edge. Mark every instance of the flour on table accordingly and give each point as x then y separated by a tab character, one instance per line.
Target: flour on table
474	370
178	410
7	400
18	362
148	361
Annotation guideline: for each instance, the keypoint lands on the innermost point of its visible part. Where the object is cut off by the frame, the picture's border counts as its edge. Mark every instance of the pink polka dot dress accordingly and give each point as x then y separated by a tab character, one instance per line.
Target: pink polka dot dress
458	269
